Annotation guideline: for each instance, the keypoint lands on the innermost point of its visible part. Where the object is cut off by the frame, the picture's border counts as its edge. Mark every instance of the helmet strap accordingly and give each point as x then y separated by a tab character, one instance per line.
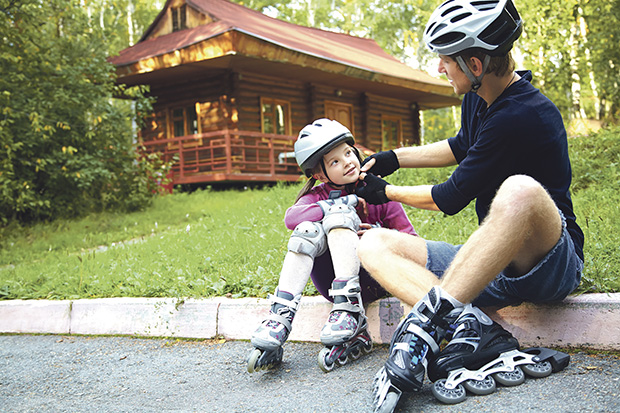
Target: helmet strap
476	81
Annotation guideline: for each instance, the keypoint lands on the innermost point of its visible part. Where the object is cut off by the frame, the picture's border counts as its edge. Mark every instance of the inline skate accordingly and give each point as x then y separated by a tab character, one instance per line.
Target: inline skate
345	335
415	343
481	354
273	332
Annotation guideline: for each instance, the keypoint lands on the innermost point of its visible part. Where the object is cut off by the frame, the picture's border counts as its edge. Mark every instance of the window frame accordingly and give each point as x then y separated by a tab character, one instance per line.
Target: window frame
288	127
399	132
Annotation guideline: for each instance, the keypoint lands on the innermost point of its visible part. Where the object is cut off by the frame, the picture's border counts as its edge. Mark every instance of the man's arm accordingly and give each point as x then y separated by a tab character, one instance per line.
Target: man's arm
434	155
418	196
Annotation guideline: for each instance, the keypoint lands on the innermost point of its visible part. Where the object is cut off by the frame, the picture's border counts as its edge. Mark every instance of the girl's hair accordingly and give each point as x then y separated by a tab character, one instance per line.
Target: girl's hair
312	180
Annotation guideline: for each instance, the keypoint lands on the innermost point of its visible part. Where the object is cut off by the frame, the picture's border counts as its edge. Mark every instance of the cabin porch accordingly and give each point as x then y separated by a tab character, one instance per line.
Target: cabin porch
228	156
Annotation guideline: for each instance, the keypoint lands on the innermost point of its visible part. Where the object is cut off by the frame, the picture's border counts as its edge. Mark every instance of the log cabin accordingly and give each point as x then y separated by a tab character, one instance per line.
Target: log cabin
233	87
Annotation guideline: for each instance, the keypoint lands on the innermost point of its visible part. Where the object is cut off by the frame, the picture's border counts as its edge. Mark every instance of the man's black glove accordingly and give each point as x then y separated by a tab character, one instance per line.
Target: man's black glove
386	163
373	191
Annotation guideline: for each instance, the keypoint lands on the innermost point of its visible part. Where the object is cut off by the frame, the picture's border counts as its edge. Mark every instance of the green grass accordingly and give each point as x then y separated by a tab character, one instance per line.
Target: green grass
212	243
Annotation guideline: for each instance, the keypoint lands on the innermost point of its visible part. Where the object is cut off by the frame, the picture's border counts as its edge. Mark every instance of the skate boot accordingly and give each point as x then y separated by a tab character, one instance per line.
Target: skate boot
414	344
345	335
482	353
273	332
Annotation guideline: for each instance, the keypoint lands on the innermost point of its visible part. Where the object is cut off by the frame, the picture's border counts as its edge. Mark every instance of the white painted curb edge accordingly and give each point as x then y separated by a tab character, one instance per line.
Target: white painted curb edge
591	320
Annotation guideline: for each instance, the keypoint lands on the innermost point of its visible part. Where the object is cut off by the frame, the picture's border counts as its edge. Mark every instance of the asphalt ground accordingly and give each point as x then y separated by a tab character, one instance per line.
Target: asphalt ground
54	373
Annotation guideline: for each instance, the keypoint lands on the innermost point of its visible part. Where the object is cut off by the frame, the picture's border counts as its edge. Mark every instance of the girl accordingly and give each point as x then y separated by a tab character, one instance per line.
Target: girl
327	221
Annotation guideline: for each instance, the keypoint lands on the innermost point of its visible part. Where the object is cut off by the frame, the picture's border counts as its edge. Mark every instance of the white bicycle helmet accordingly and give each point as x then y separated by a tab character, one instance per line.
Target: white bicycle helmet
318	138
491	26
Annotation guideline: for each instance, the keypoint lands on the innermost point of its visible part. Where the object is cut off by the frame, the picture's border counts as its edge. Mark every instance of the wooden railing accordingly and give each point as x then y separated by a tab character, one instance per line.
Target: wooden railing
229	156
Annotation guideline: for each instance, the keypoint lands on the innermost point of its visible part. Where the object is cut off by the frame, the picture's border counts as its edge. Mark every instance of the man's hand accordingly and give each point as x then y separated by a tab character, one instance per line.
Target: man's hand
381	163
374	190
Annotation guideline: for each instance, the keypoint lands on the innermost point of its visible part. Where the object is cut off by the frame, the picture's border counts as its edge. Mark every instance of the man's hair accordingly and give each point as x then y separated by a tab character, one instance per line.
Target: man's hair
499	65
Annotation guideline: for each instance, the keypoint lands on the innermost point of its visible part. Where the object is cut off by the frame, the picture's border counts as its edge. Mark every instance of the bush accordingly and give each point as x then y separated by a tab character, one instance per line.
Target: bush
65	143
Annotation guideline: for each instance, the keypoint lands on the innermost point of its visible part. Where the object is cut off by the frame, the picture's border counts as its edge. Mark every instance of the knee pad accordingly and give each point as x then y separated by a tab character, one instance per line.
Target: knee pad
341	216
308	238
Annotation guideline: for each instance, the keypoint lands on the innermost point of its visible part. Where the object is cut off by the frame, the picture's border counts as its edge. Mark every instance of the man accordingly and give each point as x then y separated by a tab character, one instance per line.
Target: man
513	159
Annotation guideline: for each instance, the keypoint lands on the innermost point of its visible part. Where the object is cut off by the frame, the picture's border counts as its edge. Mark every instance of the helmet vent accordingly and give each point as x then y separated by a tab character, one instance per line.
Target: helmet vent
451	10
438	28
448	38
484	5
460	17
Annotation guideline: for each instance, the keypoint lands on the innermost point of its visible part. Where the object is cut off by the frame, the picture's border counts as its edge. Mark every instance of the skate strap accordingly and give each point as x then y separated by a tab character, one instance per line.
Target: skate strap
347	306
294	303
347	292
472	341
280	319
420	332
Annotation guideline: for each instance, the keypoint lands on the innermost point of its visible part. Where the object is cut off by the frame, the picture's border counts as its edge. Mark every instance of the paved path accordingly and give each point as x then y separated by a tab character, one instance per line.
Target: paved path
118	374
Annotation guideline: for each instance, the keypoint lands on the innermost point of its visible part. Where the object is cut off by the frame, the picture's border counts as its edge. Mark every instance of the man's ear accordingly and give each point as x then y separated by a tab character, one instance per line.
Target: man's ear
475	65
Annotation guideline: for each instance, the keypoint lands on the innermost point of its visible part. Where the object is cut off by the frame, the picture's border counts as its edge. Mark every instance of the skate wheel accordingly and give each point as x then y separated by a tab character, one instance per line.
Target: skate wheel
322	359
480	387
389	403
367	348
253	359
356	353
448	396
510	378
543	369
342	360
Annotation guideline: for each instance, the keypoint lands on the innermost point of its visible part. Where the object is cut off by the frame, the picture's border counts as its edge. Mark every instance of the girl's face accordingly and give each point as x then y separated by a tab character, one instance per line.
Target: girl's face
341	164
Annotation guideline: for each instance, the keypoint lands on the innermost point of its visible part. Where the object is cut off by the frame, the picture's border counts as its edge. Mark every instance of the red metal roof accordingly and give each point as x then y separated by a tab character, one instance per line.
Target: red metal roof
337	47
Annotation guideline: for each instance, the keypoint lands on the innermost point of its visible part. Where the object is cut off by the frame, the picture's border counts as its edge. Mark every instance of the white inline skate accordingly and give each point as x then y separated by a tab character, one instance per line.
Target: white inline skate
345	335
270	336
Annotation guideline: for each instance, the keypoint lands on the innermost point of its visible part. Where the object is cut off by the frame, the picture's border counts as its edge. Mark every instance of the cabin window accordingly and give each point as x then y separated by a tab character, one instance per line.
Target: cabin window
391	132
179	18
184	121
276	116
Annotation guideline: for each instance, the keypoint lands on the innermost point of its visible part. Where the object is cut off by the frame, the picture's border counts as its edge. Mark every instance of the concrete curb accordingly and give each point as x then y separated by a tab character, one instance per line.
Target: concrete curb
590	321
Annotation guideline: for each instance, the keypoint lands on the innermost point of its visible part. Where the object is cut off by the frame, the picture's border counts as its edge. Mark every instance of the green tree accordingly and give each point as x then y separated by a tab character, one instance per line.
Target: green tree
65	145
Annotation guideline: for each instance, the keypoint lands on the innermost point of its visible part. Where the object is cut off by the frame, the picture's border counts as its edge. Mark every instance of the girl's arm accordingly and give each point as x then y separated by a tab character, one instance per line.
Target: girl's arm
306	209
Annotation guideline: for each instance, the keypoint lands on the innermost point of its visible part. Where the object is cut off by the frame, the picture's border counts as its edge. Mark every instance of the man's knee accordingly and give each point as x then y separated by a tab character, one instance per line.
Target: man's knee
520	193
308	238
371	243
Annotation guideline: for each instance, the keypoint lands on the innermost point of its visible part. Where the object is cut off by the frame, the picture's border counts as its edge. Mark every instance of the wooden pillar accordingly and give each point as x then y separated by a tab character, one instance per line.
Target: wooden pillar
415	119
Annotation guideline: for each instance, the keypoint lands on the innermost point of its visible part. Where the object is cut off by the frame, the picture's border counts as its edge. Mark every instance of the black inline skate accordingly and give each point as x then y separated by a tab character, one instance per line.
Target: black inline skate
480	354
414	344
345	335
273	332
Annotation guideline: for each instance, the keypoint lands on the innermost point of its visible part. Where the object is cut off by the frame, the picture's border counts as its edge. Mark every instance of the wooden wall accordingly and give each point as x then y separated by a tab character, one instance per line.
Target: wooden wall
232	100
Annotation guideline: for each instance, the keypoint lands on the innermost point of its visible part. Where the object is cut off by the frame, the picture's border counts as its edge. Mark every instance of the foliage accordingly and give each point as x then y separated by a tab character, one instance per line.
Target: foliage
595	161
210	243
65	145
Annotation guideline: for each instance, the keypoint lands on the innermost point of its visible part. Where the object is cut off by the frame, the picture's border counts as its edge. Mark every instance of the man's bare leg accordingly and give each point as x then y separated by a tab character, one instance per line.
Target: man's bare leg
522	226
398	262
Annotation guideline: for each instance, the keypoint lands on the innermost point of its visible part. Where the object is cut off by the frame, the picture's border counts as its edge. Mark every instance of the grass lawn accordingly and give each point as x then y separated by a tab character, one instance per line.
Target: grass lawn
211	243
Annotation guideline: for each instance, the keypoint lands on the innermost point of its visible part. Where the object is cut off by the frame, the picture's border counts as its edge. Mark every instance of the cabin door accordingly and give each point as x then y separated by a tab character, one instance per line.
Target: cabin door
341	112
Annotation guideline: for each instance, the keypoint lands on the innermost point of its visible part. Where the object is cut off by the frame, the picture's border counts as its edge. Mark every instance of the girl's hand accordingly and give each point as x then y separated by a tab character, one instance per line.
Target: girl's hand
362	207
363	228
